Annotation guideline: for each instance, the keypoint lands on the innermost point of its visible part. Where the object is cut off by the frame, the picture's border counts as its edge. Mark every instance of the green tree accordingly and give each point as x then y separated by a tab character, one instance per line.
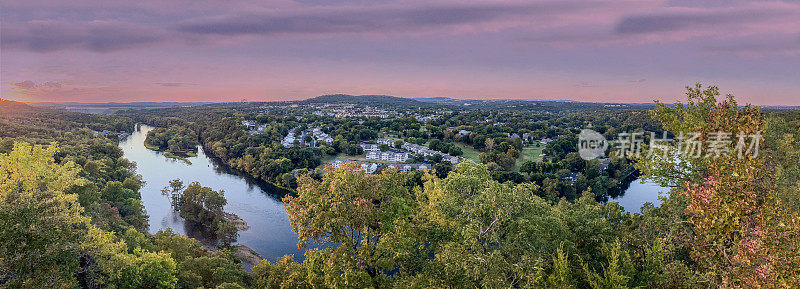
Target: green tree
141	269
355	211
204	206
42	229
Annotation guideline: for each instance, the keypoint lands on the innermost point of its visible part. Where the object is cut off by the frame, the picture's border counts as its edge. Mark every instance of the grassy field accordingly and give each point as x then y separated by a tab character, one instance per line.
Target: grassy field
528	154
327	159
469	153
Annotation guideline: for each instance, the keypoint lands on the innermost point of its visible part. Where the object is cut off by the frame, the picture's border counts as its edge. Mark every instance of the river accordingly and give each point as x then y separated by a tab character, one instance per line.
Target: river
638	193
257	203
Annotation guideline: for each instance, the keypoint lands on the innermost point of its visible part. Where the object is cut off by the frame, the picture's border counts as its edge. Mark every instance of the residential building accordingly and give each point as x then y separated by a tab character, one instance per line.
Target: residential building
409	167
366	166
391	156
368	147
386	141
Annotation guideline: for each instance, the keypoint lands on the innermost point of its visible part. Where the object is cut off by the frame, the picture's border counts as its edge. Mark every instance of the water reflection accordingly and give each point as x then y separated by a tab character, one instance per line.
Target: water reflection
637	193
257	203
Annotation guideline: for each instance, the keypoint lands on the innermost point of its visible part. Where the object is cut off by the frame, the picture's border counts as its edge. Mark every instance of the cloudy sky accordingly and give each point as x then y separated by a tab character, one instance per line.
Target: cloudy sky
619	51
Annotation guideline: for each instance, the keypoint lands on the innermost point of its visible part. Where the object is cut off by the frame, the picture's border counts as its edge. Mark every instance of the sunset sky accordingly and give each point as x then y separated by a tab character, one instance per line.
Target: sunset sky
615	51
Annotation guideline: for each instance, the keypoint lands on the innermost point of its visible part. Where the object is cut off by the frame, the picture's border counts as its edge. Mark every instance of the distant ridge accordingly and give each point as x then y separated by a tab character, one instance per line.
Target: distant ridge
440	99
107	104
376	100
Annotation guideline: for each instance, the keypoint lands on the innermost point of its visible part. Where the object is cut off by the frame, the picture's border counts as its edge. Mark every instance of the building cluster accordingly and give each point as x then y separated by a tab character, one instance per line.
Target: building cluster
370	168
289	139
386	141
419	150
253	127
364	113
317	136
424	118
347	110
410	167
391	156
373	152
425	151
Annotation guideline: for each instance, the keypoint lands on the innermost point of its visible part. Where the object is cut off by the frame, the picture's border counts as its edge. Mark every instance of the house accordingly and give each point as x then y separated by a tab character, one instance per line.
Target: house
368	147
463	132
409	167
386	141
425	151
367	167
452	159
288	140
316	134
545	141
527	137
320	136
257	129
373	155
571	178
603	165
418	149
391	156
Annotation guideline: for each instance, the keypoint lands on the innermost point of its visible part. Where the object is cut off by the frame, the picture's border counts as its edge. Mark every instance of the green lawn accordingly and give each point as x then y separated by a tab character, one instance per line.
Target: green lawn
327	159
469	153
530	153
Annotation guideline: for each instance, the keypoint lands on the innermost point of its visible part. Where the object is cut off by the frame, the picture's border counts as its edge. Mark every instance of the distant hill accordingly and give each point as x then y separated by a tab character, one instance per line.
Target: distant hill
440	99
376	100
10	104
112	107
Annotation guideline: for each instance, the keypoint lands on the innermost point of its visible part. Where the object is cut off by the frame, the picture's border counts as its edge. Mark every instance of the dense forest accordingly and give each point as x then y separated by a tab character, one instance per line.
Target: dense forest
71	215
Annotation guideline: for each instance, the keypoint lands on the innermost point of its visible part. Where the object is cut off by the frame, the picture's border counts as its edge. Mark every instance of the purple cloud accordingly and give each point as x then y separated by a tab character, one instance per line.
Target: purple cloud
99	36
175	84
29	85
676	21
783	17
757	46
381	19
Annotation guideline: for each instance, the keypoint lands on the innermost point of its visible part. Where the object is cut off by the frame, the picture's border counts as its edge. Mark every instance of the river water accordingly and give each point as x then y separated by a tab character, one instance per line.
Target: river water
257	203
638	193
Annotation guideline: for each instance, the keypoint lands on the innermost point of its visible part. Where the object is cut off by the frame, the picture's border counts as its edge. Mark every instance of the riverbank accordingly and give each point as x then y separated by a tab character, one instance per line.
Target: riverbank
256	202
228	169
248	257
